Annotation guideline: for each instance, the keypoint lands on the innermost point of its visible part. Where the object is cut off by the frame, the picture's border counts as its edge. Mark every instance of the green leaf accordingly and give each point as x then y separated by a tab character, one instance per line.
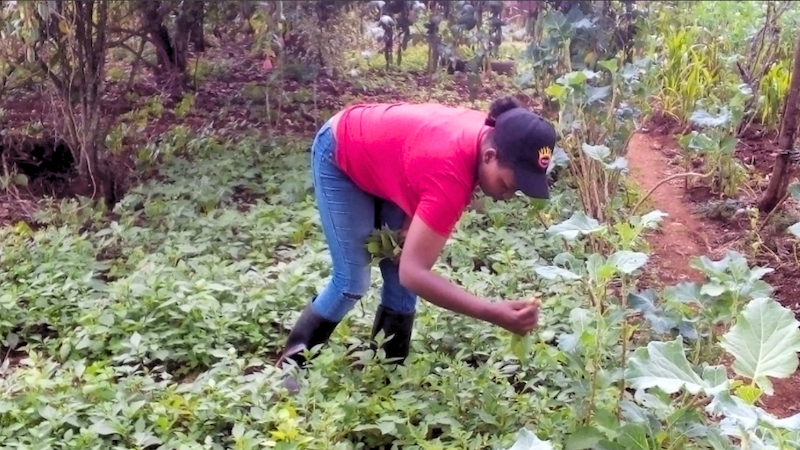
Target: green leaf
605	444
106	319
746	416
728	145
581	320
686	292
11	341
633	436
734	409
764	342
599	271
387	427
619	164
713	289
715	376
526	440
583	438
374	247
795	229
136	339
718	441
554	272
628	262
575	78
557	21
560	158
521	346
705	119
606	419
43	8
47	412
102	428
599	153
749	394
597	93
578	224
21	179
664	365
652	219
238	431
794	190
609	64
645	303
556	90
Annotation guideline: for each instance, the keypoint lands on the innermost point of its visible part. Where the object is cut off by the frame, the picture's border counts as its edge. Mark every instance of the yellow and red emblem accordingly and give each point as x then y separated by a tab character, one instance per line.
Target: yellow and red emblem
544	157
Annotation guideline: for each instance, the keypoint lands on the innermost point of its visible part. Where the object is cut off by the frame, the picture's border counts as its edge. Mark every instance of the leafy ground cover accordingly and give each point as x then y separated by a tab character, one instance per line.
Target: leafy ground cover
153	322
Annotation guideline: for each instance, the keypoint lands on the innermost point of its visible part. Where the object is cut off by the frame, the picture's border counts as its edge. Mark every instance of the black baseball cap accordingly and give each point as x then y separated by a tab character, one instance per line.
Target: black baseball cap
526	140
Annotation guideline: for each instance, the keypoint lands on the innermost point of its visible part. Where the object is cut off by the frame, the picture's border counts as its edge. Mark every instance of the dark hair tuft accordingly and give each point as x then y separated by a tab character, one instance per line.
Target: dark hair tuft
501	105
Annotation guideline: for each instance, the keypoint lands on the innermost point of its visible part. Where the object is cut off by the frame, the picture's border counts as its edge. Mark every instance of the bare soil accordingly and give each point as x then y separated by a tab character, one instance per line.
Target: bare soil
681	236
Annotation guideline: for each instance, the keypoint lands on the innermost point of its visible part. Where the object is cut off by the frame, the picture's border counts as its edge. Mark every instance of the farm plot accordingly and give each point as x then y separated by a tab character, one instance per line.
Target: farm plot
154	322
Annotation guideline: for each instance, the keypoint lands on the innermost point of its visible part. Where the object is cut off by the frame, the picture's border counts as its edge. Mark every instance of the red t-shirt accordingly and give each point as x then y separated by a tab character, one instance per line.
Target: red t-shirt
422	157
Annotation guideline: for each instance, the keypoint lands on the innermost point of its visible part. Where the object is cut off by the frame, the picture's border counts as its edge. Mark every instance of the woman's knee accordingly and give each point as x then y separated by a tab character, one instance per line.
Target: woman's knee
353	283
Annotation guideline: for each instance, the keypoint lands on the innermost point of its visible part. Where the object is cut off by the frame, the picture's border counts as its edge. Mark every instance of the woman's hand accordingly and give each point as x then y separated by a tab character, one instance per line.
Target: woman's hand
517	316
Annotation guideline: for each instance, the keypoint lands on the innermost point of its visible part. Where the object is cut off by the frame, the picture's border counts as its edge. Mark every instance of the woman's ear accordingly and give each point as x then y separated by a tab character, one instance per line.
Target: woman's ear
489	155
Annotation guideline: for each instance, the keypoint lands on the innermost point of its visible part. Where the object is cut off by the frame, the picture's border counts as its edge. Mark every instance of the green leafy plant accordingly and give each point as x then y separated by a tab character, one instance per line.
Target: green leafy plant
716	146
596	124
385	243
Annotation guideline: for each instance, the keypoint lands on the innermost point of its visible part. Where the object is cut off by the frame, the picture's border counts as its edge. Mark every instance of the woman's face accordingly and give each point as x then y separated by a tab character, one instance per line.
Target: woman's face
495	180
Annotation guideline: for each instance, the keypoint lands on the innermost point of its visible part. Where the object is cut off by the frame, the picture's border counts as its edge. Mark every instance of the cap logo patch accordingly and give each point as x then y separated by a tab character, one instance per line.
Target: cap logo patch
544	157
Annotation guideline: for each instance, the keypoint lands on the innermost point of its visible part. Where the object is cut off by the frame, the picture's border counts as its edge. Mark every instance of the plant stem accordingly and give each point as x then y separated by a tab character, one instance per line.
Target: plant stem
596	355
624	302
669	178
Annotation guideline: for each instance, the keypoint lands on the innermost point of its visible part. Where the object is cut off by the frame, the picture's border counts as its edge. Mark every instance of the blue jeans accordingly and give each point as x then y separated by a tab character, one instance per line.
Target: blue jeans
348	215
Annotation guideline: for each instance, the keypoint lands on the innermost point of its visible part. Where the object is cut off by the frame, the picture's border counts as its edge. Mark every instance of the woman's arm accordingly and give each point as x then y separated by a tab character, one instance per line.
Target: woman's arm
421	248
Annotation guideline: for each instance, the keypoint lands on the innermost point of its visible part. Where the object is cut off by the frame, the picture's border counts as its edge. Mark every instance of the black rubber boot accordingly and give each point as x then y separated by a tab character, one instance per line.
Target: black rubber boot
310	330
397	328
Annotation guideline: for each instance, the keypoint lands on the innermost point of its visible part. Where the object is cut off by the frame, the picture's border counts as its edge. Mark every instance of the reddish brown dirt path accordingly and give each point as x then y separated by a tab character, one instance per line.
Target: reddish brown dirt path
683	235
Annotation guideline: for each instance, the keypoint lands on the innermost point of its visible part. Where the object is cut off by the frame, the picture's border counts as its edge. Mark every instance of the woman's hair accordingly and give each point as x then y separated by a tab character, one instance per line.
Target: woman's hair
501	105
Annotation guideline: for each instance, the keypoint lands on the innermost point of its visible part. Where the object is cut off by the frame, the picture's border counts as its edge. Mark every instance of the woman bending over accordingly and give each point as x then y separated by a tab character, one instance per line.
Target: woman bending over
414	167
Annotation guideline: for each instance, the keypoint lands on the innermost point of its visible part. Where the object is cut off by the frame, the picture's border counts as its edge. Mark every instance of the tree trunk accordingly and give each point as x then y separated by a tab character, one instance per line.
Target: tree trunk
404	25
152	19
93	47
82	54
180	41
779	181
196	11
433	39
171	52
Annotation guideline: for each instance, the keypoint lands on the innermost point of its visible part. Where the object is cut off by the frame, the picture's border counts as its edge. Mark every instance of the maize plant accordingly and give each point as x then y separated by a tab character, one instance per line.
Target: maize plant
772	92
689	70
